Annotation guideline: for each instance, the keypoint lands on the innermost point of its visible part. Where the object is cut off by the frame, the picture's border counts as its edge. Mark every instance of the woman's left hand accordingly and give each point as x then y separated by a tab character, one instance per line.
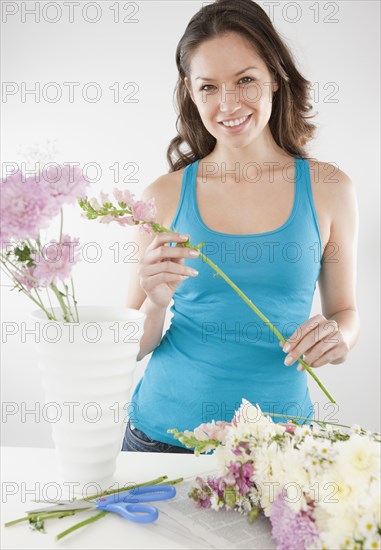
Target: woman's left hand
319	340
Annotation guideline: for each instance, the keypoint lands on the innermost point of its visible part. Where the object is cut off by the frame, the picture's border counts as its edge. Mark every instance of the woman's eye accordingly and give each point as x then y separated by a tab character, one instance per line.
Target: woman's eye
250	79
202	88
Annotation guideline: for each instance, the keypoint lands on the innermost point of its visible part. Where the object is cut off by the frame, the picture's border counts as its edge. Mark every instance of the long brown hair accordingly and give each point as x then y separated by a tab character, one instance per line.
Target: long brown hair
289	120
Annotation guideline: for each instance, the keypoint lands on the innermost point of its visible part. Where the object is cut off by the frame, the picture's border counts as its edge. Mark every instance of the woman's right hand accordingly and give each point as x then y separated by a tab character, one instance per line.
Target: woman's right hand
162	268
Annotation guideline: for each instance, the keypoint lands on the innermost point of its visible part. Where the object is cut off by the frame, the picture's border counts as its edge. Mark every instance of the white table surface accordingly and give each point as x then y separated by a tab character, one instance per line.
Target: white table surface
31	469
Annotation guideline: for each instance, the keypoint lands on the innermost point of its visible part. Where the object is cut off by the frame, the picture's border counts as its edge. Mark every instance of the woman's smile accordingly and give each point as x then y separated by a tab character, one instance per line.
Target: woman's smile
235	125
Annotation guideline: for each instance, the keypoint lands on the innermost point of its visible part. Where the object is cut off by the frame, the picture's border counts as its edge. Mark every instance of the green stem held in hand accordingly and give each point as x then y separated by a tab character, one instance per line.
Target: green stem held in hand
249	303
91	213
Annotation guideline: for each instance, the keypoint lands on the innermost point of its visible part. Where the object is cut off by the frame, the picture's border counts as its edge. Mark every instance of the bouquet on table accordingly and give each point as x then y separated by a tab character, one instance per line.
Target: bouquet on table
318	484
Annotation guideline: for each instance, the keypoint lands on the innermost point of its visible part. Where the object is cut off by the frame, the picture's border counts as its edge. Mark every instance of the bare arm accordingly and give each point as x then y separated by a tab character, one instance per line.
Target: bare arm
137	298
153	327
338	326
337	281
158	272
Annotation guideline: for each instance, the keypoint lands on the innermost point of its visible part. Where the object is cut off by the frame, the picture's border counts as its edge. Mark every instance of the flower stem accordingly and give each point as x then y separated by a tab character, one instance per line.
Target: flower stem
304	418
105	493
265	320
68	302
161	228
50	303
74	300
82	524
155	481
61	302
22	288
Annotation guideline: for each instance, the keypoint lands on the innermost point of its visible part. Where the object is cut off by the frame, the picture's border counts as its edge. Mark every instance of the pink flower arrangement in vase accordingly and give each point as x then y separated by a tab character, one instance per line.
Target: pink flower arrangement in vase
28	205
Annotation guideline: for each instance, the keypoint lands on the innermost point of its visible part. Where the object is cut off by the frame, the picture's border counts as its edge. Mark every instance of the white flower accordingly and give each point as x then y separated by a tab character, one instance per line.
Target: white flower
336	492
366	525
215	503
321	517
251	422
340	531
295	480
359	459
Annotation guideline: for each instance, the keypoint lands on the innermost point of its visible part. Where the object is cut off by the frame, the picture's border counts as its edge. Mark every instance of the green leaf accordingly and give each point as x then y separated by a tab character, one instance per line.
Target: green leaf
253	515
37	524
230	496
23	254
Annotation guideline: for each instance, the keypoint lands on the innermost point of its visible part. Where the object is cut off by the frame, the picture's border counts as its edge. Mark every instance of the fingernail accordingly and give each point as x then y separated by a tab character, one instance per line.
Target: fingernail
299	368
286	348
194	253
184	237
289	360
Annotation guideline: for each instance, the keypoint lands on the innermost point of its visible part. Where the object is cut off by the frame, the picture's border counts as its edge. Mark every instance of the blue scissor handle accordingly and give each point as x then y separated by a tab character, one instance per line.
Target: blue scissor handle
139	513
127	503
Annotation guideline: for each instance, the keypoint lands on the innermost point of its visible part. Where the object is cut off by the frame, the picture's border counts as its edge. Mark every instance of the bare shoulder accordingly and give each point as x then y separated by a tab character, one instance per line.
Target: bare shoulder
166	191
329	173
333	187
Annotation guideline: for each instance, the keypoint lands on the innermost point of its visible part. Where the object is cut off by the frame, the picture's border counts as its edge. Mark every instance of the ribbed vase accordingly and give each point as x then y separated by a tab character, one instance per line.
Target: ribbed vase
87	370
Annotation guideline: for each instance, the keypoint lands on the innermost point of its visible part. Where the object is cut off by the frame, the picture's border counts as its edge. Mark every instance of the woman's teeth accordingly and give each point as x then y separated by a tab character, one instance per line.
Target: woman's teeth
235	122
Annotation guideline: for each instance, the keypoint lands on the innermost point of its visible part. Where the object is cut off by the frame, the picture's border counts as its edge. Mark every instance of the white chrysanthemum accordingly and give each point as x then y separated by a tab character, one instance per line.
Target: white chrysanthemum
374	500
295	480
340	531
224	456
366	525
266	460
321	517
336	493
252	422
373	542
359	459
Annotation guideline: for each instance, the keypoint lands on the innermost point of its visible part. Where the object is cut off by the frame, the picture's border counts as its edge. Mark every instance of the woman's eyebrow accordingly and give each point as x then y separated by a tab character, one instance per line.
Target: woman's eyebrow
236	74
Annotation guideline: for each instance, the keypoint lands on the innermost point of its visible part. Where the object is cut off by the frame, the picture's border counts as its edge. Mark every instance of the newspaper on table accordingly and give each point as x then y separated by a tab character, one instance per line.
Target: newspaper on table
209	528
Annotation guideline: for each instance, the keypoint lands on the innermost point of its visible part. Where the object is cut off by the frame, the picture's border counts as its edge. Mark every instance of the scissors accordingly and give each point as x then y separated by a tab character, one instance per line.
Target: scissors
125	503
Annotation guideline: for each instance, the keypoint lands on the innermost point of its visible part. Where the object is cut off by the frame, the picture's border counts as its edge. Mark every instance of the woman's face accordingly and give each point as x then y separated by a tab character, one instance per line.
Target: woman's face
221	94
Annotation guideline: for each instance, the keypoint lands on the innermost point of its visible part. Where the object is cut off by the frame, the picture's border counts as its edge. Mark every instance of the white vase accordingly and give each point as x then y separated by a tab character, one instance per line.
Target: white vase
87	372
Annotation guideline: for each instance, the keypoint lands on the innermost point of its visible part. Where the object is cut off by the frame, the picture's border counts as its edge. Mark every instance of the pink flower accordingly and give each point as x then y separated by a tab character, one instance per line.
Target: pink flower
242	474
289	426
202	495
107	218
64	184
291	531
125	220
105	199
124	196
213	430
27	278
24	208
144	211
56	260
146	228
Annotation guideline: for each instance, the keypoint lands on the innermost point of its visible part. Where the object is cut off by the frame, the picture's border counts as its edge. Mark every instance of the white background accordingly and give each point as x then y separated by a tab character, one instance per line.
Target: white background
345	53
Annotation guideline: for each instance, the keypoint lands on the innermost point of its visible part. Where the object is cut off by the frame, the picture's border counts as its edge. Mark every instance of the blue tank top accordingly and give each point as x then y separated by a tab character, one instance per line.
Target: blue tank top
216	350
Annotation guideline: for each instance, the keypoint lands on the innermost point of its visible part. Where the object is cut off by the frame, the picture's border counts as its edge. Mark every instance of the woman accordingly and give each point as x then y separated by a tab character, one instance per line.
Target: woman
274	220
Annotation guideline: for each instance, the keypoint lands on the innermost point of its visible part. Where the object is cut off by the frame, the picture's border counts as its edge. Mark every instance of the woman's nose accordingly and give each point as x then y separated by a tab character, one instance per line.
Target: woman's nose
230	101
